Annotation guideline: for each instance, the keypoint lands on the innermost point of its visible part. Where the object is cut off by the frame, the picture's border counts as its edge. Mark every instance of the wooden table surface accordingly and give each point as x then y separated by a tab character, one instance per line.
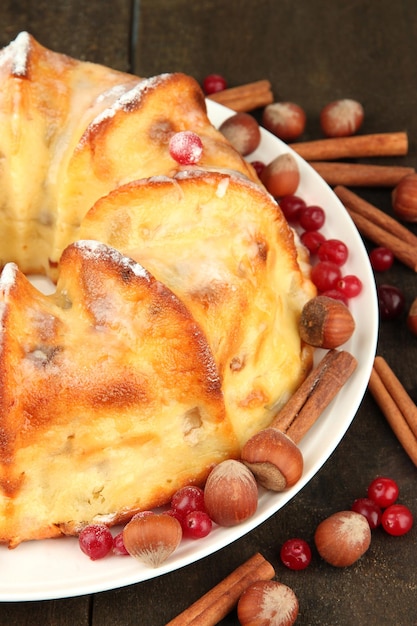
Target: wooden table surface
312	51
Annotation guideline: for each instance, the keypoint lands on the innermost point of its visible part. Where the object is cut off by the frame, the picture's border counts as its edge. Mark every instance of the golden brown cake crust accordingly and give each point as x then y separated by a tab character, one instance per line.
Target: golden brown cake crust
92	129
222	245
111	398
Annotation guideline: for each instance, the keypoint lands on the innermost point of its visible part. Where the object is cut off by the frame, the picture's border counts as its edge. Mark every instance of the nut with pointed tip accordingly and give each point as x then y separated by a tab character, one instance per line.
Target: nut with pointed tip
230	493
274	458
341	118
267	603
242	131
286	120
326	323
343	538
152	538
404	198
412	317
281	176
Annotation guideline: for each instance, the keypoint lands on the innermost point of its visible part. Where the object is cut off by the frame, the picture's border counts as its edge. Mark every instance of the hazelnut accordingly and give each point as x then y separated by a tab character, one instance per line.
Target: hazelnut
242	131
286	120
275	460
404	198
269	603
281	176
231	493
343	538
326	323
341	118
412	317
152	538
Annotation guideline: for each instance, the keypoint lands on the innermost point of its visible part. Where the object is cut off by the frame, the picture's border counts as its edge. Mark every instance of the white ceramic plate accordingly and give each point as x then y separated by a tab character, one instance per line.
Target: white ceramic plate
56	568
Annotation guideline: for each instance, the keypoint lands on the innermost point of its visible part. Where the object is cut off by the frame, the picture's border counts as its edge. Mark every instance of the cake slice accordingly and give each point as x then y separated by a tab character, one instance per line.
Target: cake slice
223	246
111	399
71	131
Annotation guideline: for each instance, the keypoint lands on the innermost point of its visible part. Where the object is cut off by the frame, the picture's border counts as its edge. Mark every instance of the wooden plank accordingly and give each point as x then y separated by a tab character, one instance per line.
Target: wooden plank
66	612
93	31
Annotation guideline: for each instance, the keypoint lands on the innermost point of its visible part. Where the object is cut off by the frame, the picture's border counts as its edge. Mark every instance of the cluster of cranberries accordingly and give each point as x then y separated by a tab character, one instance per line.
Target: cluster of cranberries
330	254
379	507
187	506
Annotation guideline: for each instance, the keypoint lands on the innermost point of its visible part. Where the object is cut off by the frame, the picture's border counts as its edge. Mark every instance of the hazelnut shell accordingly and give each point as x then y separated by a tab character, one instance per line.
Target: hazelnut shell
343	538
326	323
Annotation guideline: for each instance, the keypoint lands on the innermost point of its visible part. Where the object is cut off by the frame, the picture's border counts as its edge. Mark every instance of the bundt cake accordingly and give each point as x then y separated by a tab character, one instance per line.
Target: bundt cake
171	336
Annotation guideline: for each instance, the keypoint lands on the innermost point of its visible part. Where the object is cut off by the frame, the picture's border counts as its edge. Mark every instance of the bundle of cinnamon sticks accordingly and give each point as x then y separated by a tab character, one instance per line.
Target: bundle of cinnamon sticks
379	227
396	404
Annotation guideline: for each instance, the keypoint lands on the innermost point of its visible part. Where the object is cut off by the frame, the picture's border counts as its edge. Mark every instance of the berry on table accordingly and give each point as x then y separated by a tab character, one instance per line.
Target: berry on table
391	301
383	491
397	520
369	509
381	259
296	554
213	83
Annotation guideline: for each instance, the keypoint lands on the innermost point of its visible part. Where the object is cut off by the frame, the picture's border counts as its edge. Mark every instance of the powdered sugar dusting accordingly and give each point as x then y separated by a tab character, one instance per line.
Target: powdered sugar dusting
8	277
127	100
96	250
7	280
230	175
112	94
17	53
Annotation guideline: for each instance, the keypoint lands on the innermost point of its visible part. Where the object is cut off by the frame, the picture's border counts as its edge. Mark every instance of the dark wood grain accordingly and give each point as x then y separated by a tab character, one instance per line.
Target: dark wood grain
312	51
93	31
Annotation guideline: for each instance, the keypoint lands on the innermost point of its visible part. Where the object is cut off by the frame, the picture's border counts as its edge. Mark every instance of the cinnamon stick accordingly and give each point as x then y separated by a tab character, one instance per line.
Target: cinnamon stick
396	405
380	227
357	146
354	202
314	394
245	97
401	249
361	174
220	600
